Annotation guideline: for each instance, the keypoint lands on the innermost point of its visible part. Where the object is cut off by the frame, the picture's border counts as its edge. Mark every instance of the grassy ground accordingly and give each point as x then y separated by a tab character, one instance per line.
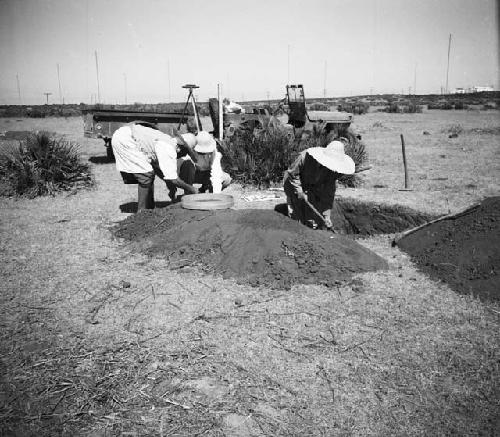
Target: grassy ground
98	341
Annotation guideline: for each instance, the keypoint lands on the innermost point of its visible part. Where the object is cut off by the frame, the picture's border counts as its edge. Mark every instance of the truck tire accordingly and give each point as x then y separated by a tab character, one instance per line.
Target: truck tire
207	201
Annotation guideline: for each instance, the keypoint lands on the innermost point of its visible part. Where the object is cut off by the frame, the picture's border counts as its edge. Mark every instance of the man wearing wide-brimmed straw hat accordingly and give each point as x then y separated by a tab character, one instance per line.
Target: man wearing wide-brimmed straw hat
310	183
204	165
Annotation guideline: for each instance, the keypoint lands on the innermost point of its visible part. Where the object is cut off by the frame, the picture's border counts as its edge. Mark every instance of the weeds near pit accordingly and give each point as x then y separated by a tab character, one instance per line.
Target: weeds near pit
43	165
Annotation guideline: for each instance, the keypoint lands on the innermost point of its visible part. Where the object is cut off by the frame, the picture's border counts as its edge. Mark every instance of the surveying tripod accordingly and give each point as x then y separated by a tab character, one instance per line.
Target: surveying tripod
191	98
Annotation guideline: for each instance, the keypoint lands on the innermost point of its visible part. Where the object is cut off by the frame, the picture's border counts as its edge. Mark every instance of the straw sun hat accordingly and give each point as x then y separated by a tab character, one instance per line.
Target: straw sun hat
189	139
205	142
333	157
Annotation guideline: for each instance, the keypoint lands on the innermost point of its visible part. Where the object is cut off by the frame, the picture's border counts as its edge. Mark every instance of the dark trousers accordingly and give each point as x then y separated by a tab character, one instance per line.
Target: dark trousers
190	175
145	191
145	188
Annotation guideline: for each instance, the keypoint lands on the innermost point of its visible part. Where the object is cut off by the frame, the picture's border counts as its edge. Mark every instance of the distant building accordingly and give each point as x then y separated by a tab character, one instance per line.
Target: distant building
474	89
481	89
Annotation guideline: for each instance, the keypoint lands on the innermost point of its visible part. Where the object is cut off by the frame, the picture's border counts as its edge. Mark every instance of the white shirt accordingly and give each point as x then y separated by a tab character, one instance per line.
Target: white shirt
216	173
137	147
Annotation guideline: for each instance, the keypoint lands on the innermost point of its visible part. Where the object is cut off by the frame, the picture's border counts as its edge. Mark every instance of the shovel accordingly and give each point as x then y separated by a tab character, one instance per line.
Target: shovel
313	209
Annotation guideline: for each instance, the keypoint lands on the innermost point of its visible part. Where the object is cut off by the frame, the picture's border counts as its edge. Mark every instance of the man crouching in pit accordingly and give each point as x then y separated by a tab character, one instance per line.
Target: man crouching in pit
311	181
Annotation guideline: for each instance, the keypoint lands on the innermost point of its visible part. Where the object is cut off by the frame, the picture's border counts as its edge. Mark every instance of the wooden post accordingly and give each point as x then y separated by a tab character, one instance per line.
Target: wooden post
221	112
407	179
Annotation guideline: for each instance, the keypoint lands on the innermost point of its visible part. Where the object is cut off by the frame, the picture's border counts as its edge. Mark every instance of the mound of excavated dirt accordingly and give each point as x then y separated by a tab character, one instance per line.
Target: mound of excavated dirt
260	247
463	251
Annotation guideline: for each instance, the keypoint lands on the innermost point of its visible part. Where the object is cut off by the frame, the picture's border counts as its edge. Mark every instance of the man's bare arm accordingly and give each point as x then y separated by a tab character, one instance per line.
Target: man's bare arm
179	183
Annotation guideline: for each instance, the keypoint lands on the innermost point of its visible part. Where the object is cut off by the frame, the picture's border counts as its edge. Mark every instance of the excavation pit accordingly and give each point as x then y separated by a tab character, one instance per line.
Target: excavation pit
364	219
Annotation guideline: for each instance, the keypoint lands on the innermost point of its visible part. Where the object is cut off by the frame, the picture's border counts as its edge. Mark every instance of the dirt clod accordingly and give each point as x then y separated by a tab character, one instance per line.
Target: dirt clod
258	247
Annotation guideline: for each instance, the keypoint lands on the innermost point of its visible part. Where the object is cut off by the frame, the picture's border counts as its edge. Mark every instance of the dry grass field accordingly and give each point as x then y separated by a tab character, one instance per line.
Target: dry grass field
97	340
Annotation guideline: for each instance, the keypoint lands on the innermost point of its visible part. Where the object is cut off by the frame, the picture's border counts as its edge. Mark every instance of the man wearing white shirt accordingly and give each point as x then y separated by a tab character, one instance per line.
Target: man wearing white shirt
205	166
142	151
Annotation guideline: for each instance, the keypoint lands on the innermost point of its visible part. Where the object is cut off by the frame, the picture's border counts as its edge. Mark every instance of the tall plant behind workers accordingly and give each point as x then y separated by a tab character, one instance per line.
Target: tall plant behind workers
142	151
310	183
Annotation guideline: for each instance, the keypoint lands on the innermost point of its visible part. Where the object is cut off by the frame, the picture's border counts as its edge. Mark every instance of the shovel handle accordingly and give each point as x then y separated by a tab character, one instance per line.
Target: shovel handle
310	205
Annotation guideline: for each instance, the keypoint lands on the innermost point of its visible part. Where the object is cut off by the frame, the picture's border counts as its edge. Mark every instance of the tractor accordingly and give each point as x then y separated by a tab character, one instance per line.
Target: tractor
303	121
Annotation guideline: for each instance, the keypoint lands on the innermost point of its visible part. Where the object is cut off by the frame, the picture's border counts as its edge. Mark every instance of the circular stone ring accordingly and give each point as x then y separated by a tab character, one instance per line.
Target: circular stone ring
207	201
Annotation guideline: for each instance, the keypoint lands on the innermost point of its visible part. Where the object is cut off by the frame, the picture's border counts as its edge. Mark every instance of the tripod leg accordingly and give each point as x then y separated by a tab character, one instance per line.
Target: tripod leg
197	116
195	111
184	111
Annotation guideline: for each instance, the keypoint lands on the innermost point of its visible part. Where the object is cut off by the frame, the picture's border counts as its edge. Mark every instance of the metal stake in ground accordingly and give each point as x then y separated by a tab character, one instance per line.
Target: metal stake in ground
407	178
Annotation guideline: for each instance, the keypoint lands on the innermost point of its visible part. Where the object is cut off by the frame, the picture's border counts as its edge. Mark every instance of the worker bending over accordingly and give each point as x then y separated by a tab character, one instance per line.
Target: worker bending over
142	151
310	183
204	166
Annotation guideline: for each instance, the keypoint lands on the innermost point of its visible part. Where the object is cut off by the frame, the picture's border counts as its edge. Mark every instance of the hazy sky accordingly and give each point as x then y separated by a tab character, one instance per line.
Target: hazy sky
147	49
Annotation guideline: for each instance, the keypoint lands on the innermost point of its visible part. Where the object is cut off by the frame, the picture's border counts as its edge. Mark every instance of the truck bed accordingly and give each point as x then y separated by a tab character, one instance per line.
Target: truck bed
103	123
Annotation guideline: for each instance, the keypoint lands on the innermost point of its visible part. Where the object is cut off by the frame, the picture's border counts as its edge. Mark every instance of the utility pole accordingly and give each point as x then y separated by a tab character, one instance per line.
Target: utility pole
415	81
268	98
59	81
288	68
448	65
125	84
324	82
169	88
47	96
97	73
19	89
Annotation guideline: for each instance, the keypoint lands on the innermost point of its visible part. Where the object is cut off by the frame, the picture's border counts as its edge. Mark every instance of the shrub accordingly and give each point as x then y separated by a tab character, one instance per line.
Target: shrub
440	105
403	108
260	157
453	129
357	108
43	164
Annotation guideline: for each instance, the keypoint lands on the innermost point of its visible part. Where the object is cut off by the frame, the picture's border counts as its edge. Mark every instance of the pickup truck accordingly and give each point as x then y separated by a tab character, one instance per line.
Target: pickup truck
102	123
